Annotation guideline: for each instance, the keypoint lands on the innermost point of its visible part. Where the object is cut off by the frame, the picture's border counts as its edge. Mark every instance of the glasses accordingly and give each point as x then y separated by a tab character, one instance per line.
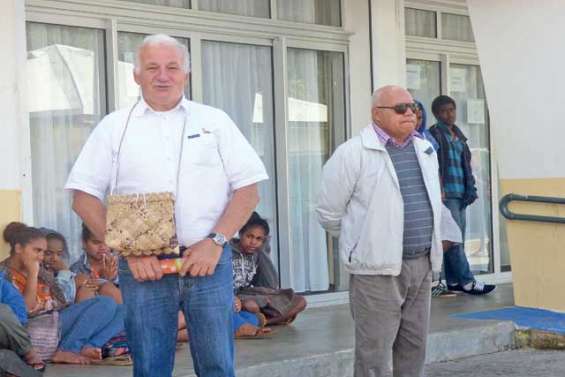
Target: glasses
402	108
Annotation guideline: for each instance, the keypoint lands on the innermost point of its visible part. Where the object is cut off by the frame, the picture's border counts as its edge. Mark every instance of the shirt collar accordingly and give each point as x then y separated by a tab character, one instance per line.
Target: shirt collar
85	262
385	137
142	107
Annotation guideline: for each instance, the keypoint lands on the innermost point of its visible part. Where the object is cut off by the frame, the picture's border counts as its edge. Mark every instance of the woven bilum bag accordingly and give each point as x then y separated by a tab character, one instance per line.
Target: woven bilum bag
142	223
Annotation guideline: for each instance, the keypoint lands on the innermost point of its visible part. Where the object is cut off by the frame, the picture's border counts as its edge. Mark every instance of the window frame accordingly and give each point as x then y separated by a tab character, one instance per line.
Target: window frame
114	16
449	52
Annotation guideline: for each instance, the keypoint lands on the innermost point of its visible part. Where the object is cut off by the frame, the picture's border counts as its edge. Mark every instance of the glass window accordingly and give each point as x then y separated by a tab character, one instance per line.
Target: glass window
244	90
167	3
466	88
253	8
456	27
423	82
323	12
316	121
127	87
420	23
66	99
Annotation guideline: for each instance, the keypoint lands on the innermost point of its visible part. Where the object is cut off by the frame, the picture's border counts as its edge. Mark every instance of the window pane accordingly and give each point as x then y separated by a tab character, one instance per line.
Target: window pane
420	23
423	82
66	99
323	12
466	88
127	87
244	90
456	27
167	3
253	8
316	118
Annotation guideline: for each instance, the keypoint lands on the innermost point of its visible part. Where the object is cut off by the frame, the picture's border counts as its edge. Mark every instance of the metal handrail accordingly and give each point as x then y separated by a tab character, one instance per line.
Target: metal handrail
506	199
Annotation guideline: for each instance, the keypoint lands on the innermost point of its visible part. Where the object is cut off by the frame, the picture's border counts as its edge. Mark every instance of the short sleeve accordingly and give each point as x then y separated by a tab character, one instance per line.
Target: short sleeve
242	165
92	170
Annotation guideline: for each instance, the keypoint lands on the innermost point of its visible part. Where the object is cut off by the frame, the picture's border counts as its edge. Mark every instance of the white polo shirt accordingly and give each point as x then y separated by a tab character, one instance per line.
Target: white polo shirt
217	159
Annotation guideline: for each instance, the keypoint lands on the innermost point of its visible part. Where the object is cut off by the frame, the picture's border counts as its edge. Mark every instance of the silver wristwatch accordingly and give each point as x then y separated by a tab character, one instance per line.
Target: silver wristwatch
218	238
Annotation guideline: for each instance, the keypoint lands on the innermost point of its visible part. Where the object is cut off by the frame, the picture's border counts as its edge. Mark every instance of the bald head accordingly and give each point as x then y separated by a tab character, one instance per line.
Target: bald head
398	126
386	95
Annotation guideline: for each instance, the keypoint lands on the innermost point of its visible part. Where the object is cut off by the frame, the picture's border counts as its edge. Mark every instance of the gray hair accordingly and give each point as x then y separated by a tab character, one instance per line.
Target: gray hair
164	39
380	92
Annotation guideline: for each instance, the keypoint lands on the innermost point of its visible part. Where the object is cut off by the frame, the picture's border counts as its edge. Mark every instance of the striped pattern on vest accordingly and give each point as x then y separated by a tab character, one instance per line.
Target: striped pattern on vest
418	215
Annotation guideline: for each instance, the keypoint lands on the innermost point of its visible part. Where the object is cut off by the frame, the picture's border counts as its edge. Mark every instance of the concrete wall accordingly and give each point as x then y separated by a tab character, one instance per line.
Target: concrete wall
356	21
388	42
521	49
12	108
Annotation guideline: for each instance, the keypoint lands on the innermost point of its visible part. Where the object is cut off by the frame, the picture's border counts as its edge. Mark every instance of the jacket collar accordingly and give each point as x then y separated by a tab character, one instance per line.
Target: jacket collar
370	141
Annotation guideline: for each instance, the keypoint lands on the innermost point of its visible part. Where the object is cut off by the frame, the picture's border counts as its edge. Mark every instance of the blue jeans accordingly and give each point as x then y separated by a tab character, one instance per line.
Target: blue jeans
90	323
456	266
152	313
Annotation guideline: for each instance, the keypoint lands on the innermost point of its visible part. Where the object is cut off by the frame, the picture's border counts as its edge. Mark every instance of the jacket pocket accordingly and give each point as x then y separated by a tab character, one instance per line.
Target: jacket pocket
351	251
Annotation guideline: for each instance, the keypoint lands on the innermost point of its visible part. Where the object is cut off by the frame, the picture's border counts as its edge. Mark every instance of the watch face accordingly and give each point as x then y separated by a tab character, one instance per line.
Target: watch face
218	238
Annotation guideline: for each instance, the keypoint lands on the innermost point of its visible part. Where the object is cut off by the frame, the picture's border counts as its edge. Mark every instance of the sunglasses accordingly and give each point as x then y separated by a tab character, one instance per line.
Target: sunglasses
402	108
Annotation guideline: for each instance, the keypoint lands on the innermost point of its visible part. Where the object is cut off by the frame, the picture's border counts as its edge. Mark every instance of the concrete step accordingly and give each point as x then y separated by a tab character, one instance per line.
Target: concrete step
442	346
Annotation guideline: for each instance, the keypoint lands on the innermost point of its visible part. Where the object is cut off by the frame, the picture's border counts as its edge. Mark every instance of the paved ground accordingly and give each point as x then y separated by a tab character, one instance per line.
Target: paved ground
319	343
521	363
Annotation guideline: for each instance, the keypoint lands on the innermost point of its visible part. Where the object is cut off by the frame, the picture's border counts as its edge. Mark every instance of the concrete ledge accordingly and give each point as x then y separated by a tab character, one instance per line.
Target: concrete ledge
442	346
457	344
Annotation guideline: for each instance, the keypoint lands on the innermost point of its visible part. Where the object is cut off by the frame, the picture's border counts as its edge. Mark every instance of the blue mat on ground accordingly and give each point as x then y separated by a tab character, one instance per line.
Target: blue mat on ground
537	319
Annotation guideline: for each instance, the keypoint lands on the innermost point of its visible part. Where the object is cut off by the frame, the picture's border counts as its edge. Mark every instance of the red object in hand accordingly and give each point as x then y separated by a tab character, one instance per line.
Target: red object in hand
171	265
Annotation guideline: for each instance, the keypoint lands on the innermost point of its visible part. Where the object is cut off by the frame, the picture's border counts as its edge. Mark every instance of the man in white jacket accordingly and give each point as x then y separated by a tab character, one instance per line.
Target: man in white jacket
381	196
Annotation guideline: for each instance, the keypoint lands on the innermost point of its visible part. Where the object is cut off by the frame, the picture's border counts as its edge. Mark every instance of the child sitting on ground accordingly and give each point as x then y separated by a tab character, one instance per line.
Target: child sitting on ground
255	279
97	274
72	333
97	268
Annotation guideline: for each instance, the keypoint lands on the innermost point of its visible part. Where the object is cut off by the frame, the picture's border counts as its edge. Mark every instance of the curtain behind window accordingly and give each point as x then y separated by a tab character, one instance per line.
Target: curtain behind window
315	110
238	79
66	99
253	8
323	12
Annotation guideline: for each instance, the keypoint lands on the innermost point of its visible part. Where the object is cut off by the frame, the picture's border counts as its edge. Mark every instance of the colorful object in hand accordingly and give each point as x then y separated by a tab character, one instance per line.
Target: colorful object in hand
171	265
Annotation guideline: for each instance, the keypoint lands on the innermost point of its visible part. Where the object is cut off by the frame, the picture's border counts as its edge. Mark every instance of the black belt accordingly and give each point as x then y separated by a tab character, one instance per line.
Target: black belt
182	250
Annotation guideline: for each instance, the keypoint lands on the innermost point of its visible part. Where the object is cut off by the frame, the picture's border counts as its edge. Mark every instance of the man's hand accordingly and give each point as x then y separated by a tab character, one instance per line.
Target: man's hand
201	259
110	269
145	268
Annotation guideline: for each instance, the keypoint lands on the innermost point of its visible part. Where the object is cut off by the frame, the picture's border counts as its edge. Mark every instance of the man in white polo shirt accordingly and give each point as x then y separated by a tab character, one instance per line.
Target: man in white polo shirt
217	192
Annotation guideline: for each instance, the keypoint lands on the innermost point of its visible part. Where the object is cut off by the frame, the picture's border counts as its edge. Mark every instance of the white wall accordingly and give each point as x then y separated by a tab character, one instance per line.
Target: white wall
356	21
388	42
12	100
521	47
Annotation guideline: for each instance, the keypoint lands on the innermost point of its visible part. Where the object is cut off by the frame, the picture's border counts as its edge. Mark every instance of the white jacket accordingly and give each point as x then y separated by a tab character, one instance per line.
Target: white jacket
360	201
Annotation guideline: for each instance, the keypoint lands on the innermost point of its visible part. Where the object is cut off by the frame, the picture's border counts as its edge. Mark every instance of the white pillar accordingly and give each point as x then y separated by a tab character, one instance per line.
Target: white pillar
356	22
15	120
388	42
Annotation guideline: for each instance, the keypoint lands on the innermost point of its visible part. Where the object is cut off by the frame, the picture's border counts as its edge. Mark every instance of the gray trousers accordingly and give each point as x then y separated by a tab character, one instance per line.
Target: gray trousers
13	335
391	315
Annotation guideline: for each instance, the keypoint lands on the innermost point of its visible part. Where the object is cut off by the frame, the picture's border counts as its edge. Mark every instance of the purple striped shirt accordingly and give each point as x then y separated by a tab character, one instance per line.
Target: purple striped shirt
385	138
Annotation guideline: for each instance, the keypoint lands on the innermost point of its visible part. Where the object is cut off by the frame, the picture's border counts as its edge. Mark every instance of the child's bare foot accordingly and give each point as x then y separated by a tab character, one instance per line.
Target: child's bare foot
92	353
247	331
33	360
64	357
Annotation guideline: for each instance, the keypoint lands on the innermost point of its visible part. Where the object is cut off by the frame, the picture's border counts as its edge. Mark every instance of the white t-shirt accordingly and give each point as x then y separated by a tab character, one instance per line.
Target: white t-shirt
216	160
